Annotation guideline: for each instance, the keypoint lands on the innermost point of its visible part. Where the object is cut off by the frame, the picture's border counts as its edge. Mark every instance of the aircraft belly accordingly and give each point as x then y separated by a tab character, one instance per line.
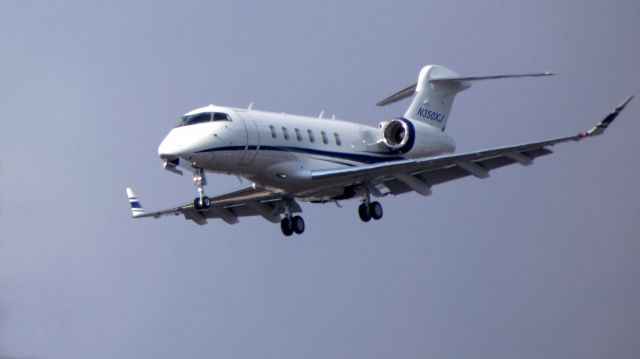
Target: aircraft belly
294	176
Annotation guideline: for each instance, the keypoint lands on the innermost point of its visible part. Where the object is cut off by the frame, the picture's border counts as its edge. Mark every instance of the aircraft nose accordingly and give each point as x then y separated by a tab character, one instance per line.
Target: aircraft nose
184	142
169	148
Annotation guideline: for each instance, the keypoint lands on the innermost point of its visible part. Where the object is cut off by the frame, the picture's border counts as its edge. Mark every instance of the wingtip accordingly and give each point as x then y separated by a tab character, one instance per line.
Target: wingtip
130	193
136	207
624	102
602	125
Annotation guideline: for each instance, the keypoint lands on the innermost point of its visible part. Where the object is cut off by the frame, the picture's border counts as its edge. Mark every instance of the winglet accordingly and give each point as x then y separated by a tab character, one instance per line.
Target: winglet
600	127
136	207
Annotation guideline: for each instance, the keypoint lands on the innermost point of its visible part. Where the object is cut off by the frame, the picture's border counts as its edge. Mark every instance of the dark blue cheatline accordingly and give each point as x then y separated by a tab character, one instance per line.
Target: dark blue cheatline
346	156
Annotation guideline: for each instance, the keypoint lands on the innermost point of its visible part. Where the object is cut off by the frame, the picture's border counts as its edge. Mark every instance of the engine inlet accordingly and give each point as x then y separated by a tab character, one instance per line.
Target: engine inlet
396	134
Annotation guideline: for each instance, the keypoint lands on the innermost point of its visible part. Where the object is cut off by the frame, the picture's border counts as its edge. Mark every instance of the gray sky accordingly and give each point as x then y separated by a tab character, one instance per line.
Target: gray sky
534	262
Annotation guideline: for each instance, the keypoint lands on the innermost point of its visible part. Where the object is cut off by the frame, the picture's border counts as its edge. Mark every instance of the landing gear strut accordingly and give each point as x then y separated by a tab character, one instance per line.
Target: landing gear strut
201	202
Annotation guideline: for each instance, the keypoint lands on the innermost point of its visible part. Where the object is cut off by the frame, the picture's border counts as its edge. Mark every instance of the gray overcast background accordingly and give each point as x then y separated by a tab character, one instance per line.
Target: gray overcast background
535	262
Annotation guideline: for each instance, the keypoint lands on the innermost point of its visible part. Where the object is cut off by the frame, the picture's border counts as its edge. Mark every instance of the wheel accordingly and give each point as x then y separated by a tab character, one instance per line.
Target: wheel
364	212
297	224
206	202
375	208
196	204
287	226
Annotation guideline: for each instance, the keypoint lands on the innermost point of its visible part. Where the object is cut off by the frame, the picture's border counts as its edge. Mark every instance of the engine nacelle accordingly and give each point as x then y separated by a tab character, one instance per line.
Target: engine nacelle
396	134
414	139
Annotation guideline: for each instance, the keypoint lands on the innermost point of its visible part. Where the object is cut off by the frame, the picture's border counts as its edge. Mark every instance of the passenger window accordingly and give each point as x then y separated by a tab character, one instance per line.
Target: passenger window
273	131
219	116
338	141
312	138
325	139
298	134
285	133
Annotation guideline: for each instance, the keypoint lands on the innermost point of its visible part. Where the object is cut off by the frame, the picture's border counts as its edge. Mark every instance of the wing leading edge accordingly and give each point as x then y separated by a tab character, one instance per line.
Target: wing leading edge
421	173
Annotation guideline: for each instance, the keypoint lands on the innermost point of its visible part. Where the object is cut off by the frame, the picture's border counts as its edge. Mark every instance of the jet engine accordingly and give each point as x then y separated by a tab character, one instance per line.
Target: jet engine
414	139
397	133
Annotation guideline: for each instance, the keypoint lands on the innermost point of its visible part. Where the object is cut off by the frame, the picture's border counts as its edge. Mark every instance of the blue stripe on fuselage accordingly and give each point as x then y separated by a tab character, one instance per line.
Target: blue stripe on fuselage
342	155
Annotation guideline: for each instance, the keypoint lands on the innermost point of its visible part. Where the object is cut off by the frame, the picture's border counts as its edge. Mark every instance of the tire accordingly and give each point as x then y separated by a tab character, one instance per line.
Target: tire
364	212
206	202
286	226
196	204
297	224
375	208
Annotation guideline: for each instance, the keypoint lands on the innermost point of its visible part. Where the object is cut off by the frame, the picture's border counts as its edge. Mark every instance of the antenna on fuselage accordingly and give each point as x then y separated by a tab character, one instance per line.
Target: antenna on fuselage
321	114
250	106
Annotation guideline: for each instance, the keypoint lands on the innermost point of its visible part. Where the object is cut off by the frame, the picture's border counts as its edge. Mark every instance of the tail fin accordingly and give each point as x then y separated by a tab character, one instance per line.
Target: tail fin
434	93
136	207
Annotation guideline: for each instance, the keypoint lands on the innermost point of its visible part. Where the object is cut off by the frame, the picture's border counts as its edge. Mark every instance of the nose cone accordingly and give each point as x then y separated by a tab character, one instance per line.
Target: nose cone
186	142
169	148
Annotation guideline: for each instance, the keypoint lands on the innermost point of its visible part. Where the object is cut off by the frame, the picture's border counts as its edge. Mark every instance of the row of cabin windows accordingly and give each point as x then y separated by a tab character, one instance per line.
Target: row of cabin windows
310	135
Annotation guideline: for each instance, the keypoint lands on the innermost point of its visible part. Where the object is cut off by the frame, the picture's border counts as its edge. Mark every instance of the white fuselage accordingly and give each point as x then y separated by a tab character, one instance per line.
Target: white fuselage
279	151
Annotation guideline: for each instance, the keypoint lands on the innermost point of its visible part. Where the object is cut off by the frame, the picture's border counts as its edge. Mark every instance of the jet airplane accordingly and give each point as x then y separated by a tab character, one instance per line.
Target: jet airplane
290	159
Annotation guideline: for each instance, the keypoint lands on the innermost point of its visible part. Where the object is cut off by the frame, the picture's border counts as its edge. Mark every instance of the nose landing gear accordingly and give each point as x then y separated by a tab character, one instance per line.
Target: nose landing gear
201	202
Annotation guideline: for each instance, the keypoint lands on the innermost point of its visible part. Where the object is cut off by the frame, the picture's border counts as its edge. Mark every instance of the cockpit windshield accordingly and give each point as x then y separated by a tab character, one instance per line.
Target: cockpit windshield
203	117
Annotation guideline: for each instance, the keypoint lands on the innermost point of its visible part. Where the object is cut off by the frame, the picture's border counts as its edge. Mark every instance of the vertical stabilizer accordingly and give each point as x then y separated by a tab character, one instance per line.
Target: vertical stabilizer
432	101
434	93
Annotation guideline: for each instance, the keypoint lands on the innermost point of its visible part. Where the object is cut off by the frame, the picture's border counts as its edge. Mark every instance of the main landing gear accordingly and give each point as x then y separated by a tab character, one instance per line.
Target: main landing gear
291	224
201	202
369	210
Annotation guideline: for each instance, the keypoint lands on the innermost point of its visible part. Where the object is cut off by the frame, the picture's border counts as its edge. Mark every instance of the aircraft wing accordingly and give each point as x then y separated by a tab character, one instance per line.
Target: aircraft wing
420	174
245	201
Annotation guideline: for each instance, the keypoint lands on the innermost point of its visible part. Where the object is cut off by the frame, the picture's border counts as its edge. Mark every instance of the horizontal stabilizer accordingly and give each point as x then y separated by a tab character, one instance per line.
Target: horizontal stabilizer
410	91
494	77
400	95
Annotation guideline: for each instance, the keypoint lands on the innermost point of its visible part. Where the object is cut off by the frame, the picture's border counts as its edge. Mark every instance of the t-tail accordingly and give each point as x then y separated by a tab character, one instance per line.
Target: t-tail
434	92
